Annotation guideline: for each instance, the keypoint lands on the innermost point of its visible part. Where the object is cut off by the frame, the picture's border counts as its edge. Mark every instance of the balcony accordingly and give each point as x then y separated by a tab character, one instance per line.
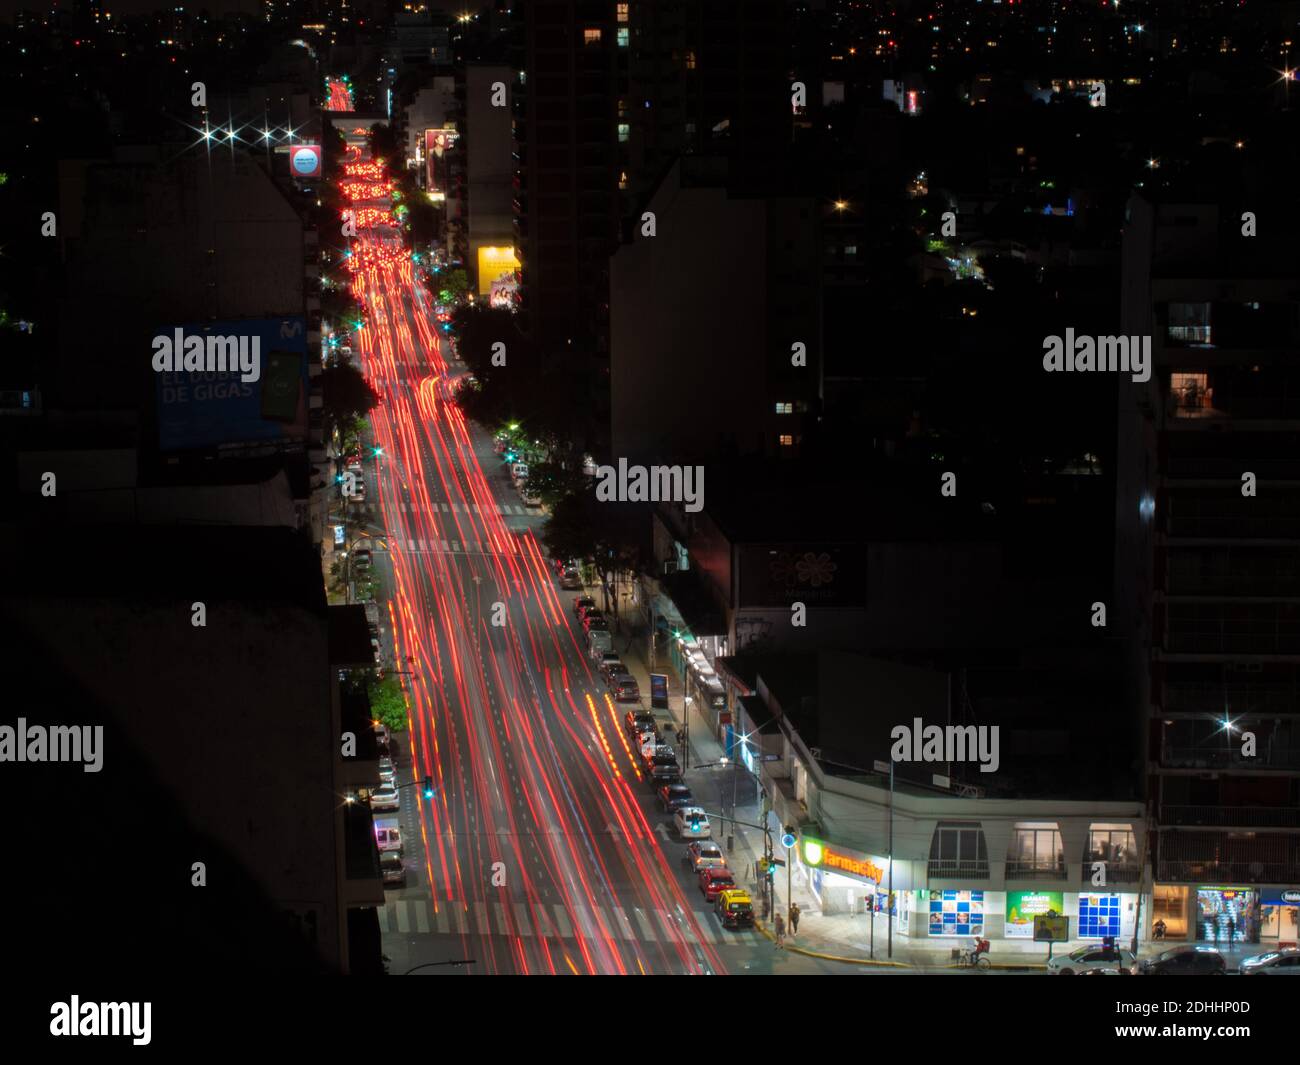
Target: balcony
1228	758
1204	697
1230	816
1210	871
1038	869
1116	872
1257	635
958	870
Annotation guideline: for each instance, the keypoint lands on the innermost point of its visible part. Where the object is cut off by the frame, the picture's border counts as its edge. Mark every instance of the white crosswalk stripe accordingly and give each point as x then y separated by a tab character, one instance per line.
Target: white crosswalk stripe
601	923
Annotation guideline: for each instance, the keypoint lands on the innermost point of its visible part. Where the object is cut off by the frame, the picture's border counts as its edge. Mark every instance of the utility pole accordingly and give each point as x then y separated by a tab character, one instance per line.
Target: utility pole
889	900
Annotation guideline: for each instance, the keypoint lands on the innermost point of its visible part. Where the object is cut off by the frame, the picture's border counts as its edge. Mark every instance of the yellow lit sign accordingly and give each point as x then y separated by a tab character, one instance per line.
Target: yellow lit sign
493	264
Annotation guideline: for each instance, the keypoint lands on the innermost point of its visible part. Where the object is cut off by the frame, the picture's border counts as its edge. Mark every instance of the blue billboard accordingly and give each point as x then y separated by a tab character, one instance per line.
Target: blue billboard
219	404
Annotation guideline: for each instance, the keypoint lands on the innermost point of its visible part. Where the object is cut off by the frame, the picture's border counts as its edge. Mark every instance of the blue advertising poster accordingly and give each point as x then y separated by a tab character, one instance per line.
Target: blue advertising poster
659	691
206	408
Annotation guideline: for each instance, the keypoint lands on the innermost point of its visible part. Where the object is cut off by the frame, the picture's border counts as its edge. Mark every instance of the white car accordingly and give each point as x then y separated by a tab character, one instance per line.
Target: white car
530	498
1274	963
388	838
1093	956
387	772
692	823
387	797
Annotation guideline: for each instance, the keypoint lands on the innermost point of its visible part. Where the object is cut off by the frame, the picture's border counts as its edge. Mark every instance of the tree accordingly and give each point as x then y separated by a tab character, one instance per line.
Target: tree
615	536
345	395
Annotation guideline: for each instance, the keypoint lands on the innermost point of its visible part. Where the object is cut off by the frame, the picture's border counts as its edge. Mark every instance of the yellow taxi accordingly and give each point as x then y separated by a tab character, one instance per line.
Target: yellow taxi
734	908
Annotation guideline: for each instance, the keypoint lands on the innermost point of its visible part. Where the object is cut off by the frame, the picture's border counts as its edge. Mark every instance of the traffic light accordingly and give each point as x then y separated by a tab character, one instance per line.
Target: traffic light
428	787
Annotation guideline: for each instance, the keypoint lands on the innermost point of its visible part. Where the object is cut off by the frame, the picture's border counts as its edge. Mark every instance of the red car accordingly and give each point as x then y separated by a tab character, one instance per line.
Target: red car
714	880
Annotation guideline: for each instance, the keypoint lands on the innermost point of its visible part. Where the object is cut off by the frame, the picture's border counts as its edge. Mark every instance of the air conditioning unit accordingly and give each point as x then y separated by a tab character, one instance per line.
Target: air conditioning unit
670	567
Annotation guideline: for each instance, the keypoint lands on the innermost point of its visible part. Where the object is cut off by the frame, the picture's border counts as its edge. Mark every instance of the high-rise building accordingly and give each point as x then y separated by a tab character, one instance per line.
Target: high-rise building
1209	520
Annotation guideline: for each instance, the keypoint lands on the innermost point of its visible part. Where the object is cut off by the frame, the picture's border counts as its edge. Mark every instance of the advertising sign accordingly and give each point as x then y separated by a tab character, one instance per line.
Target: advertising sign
850	863
304	160
206	408
436	144
1024	906
1051	928
658	691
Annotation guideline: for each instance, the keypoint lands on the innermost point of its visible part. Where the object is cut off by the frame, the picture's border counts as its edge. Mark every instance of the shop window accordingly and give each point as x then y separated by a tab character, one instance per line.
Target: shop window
787	440
622	180
956	913
690	60
1169	905
624	132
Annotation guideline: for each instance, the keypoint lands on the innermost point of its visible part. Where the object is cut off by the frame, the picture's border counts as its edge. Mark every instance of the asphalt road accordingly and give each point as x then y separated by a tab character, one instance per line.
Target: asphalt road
542	850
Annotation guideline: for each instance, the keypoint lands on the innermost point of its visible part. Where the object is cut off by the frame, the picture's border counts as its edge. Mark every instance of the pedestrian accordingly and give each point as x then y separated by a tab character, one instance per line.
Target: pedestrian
780	932
794	918
1232	929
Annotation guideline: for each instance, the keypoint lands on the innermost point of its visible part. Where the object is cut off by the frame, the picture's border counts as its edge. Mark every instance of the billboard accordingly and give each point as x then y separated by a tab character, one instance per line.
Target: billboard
1051	928
304	160
1024	906
208	408
494	263
436	143
659	691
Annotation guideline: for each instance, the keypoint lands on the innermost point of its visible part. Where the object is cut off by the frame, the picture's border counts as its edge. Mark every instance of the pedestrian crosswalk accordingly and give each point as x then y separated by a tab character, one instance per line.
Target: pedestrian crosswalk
451	547
553	921
509	509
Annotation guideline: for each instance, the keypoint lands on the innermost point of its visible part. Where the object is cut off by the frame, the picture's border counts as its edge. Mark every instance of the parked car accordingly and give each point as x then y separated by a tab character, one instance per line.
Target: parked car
580	603
611	669
704	854
1284	962
663	771
673	796
388	836
530	498
392	868
735	909
635	720
590	614
519	471
571	579
386	798
381	735
387	771
625	689
1184	961
1093	956
599	642
499	444
714	880
692	823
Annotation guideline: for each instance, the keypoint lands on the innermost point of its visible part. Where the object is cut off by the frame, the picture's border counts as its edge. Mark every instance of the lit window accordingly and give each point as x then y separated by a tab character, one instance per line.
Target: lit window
624	131
850	251
787	440
622	12
591	35
621	36
690	60
622	180
785	408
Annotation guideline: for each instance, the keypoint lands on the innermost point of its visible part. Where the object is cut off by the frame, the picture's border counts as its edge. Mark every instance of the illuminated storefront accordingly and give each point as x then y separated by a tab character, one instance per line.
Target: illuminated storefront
848	881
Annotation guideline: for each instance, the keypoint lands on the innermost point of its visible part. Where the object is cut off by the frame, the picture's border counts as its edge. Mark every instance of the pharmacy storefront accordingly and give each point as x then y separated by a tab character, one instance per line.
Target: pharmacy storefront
844	880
